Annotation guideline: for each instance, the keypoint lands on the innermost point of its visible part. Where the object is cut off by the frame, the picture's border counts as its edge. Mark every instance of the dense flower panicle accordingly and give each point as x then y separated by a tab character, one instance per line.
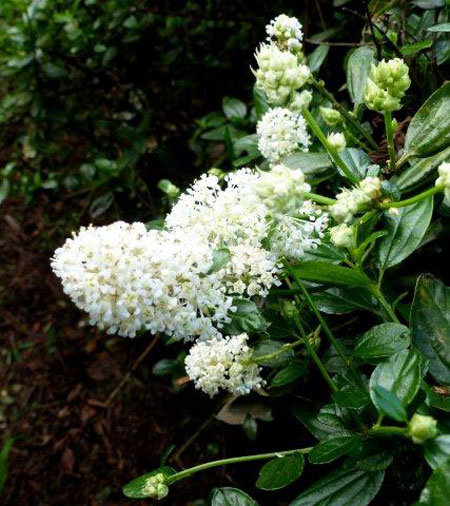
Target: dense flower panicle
350	202
282	189
223	364
279	73
286	30
342	236
129	279
444	180
280	133
292	237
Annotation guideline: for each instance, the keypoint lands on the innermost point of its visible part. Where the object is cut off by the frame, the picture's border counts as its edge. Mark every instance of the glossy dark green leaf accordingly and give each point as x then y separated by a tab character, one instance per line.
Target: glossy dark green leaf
345	300
388	403
430	324
246	318
437	397
280	472
375	455
323	272
289	374
351	397
437	489
401	375
326	253
437	451
421	169
358	70
429	130
328	420
337	445
356	160
442	27
415	47
382	341
228	496
233	108
404	233
135	489
309	163
342	487
165	367
317	57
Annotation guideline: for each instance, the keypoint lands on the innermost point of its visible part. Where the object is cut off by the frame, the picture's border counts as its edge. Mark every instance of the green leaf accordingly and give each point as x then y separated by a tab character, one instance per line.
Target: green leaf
228	496
4	453
327	253
351	397
323	272
334	447
317	57
221	257
250	427
438	486
356	160
345	300
233	108
435	399
382	341
135	489
246	318
53	71
429	130
415	47
4	189
400	375
268	347
260	102
430	324
289	374
388	403
328	420
342	487
405	232
358	70
165	366
309	163
442	27
280	472
437	451
375	455
419	171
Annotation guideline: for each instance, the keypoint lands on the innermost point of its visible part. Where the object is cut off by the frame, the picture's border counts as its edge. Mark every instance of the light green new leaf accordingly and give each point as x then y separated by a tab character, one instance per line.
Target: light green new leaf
429	130
228	496
430	324
401	375
342	487
382	341
442	27
280	472
358	70
404	233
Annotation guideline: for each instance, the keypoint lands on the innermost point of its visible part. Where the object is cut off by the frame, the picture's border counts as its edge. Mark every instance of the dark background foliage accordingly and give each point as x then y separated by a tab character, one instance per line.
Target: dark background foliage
99	100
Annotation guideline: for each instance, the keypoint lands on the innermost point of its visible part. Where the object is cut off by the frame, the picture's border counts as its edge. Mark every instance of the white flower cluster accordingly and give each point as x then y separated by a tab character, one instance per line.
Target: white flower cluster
342	236
444	180
224	363
129	279
350	202
286	30
279	73
281	132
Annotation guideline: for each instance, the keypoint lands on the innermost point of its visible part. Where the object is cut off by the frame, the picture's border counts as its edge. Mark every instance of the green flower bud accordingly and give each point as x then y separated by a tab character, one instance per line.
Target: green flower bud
155	487
394	125
342	236
421	428
314	341
330	116
301	100
337	141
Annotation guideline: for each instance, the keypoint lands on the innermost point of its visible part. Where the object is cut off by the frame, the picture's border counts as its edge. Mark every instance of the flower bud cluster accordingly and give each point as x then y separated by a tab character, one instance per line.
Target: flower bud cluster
421	428
223	364
280	133
330	116
444	180
386	85
342	236
155	487
350	202
279	73
287	31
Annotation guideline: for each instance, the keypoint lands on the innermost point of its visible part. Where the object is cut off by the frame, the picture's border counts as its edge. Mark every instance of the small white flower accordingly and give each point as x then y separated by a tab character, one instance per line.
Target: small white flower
337	141
342	236
444	180
279	73
285	29
223	364
280	133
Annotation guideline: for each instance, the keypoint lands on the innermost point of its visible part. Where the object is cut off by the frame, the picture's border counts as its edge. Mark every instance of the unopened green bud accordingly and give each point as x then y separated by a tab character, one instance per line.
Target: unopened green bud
337	141
394	125
155	487
421	428
314	341
342	236
301	100
330	116
289	309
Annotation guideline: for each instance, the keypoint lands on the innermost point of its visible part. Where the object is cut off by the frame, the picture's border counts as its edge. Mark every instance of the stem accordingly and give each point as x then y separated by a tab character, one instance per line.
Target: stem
233	460
320	86
413	200
390	139
320	199
359	143
382	300
403	159
376	430
331	150
283	349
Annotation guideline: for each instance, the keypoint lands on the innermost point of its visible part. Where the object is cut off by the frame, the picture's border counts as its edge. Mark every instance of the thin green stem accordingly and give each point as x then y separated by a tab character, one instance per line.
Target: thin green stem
355	140
375	289
376	430
320	199
233	460
283	349
413	200
331	150
320	87
390	139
